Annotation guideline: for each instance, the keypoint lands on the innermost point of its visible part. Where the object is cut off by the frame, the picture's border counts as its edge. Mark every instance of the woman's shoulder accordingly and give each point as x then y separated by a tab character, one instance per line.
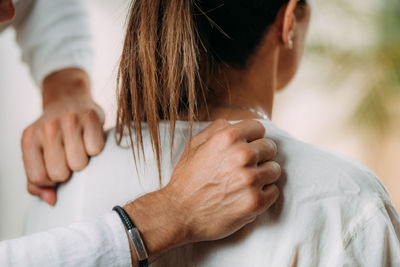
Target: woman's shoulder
311	171
332	172
328	202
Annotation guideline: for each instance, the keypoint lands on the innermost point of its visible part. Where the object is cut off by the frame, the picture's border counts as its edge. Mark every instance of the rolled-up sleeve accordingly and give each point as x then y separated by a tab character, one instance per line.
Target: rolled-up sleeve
102	242
55	35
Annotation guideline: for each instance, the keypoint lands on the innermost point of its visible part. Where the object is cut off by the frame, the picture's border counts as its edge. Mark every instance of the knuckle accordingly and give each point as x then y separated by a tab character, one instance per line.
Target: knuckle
94	151
254	202
50	129
59	176
249	178
89	114
230	136
255	123
37	178
245	155
79	165
95	147
28	138
221	122
70	121
31	190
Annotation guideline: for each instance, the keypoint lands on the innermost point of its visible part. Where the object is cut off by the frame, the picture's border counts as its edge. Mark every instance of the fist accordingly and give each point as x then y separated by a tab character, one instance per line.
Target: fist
224	180
61	141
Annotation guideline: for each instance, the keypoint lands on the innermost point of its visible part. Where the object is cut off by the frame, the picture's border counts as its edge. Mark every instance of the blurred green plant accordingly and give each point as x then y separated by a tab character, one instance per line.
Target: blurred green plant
378	64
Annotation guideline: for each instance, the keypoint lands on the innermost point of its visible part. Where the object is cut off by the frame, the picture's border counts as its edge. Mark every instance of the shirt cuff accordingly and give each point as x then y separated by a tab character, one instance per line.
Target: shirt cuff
119	239
79	59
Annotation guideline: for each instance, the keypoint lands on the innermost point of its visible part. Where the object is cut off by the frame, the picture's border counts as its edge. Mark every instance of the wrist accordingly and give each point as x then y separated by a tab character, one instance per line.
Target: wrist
158	223
64	85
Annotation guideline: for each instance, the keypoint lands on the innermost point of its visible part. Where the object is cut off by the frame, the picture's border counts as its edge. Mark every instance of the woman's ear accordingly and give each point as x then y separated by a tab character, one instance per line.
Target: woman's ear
288	24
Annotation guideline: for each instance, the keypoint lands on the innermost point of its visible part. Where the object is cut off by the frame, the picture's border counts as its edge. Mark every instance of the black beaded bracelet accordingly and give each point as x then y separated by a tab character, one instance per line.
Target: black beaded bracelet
135	237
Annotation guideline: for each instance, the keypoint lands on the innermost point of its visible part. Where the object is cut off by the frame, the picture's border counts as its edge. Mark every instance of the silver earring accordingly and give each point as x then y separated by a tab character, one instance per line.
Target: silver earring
290	44
291	37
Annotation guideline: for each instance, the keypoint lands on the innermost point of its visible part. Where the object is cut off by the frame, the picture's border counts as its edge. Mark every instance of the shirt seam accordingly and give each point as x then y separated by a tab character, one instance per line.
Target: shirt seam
364	220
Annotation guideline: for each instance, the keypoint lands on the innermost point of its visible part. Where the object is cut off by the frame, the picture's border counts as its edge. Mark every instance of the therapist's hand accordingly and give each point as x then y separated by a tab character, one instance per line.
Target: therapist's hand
223	181
69	131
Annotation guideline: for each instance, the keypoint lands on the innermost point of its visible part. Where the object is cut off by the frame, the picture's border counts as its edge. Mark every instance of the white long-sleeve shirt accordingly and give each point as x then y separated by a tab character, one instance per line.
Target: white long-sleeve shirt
333	211
100	242
53	35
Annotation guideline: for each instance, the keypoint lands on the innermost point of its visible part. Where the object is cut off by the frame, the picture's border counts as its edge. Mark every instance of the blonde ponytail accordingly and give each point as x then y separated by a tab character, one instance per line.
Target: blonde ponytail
158	76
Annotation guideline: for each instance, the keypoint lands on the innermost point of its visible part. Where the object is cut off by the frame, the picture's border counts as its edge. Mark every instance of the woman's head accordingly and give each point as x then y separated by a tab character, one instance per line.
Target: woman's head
174	48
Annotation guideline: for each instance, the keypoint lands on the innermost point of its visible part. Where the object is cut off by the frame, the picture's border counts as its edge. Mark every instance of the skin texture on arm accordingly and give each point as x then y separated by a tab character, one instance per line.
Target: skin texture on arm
69	131
223	181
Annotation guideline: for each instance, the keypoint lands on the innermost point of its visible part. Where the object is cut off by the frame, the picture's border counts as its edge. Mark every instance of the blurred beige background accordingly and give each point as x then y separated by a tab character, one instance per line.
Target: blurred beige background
317	108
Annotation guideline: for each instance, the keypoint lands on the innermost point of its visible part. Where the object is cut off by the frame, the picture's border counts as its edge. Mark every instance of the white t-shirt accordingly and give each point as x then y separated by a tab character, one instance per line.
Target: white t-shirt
333	211
53	35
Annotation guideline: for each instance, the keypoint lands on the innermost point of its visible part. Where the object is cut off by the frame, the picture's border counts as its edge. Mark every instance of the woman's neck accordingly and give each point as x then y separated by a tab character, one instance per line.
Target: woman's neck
252	88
